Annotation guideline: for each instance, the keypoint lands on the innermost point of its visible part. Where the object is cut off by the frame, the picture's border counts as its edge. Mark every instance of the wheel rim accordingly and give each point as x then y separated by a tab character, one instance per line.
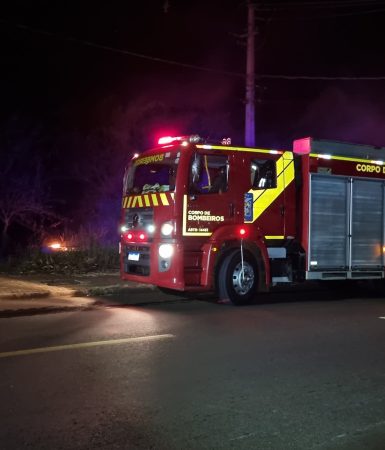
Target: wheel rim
243	280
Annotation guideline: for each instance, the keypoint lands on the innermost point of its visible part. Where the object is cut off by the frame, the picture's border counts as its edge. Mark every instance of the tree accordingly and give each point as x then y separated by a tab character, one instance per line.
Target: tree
24	194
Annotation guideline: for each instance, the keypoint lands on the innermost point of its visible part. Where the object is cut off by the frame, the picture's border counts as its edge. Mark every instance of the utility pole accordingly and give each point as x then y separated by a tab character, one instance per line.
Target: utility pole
250	78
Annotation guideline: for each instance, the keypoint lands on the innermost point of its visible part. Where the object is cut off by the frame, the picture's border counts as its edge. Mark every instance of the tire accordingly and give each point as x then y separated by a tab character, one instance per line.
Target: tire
231	283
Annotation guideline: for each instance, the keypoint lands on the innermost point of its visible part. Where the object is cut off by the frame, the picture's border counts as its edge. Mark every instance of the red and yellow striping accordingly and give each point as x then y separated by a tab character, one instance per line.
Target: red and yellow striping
148	200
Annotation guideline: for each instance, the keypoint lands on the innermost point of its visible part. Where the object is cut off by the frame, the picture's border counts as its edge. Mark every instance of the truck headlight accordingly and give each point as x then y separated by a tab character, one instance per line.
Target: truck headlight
166	229
166	251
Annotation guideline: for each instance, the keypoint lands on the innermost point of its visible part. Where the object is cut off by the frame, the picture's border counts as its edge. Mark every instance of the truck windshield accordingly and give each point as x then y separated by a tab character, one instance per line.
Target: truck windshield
155	173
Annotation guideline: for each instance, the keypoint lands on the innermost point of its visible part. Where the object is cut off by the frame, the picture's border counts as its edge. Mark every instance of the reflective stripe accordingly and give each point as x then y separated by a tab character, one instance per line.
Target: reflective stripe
274	237
239	149
262	199
342	158
148	200
154	199
163	198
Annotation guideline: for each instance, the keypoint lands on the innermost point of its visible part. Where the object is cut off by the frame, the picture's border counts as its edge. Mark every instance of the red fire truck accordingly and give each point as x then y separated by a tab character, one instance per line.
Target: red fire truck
236	220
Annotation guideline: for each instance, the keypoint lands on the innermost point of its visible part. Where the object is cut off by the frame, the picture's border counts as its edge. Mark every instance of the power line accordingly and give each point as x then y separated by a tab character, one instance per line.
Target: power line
193	66
317	77
318	17
125	52
323	4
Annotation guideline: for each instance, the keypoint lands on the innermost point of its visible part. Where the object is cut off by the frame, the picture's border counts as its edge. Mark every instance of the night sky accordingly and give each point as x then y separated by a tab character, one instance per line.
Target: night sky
86	84
62	62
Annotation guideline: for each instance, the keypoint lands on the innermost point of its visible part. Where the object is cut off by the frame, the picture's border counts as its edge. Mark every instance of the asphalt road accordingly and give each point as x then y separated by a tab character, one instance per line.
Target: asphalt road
303	371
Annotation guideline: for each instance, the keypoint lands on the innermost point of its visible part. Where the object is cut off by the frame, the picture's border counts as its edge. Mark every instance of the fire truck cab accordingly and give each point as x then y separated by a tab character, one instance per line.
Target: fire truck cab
236	220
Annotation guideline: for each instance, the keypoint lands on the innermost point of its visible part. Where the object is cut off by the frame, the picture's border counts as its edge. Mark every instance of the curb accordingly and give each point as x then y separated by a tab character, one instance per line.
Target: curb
86	292
25	295
8	313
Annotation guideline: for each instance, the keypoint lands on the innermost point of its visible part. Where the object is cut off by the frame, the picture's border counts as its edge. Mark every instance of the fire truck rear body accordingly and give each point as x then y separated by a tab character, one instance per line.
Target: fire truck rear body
238	220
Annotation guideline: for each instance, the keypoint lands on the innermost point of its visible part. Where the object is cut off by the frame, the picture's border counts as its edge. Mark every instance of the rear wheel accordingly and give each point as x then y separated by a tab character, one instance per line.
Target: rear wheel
237	279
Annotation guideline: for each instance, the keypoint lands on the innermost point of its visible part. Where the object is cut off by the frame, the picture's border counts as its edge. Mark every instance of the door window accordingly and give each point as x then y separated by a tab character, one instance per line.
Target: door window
263	174
208	174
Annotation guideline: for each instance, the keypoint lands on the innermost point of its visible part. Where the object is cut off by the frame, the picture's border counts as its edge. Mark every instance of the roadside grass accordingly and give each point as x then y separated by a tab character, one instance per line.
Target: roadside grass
93	259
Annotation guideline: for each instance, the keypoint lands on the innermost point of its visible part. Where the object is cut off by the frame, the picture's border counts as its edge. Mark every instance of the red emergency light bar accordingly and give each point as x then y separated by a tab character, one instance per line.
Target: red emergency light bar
169	139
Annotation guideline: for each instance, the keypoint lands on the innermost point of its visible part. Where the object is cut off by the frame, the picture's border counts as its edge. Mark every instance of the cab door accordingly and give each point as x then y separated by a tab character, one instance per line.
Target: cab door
265	202
208	203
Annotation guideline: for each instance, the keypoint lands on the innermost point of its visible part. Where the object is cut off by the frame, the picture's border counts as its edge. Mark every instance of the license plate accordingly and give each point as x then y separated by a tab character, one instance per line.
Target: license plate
133	256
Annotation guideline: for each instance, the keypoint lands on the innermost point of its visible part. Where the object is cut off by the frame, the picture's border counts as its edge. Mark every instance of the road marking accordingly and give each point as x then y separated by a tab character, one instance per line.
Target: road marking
86	345
381	317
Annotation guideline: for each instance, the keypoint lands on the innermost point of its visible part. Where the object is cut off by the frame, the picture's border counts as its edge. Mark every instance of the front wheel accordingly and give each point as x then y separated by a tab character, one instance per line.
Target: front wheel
237	279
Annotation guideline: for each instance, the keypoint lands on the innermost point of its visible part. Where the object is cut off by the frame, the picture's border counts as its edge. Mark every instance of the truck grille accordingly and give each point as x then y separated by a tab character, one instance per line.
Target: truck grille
139	217
141	266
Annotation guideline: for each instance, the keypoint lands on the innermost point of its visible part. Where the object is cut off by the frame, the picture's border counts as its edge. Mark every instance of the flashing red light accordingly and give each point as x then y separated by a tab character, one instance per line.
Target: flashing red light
186	139
168	140
242	232
134	237
128	237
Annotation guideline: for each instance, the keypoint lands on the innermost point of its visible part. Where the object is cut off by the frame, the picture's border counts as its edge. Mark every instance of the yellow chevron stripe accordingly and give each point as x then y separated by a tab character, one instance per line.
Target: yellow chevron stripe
262	199
147	200
154	199
137	199
163	199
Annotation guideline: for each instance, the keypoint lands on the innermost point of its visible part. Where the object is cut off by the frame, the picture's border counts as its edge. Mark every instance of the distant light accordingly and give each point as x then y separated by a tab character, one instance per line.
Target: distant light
57	246
136	155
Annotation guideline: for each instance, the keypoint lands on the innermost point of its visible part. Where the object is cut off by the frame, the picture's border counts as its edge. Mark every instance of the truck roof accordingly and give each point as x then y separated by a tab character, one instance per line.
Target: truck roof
338	148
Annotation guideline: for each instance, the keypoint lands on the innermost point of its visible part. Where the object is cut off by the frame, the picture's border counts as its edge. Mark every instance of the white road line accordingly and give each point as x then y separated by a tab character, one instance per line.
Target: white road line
130	340
381	317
